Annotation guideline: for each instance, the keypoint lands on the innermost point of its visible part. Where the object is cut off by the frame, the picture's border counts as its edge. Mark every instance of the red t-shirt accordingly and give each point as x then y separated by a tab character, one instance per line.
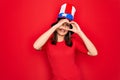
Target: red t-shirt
62	59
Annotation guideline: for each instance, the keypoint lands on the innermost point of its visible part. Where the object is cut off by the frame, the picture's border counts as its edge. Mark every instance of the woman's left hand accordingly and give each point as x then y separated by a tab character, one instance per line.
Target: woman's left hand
76	27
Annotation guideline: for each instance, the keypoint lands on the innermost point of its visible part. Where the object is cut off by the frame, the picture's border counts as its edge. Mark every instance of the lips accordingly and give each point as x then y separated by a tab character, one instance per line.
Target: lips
62	30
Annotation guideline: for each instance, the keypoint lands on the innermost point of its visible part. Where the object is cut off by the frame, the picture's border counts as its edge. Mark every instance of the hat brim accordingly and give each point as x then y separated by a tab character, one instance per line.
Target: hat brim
66	15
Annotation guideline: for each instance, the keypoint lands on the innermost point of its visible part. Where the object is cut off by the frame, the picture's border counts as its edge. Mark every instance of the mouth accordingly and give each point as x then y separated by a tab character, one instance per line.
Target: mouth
62	30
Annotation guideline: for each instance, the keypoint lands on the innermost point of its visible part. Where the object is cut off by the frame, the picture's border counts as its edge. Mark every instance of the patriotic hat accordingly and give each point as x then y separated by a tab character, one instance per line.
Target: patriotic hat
67	11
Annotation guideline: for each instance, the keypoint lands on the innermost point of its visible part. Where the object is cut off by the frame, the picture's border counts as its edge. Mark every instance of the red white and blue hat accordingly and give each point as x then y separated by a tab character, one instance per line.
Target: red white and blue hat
67	11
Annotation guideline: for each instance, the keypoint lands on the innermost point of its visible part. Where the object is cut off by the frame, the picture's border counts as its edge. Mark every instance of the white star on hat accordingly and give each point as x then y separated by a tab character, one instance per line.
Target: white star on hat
64	15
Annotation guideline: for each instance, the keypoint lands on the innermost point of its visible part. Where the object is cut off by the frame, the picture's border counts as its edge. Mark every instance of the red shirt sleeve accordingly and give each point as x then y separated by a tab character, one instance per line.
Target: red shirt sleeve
80	46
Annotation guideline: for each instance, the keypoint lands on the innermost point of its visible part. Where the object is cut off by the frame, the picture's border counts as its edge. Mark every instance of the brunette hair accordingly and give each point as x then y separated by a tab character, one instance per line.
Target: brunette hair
67	37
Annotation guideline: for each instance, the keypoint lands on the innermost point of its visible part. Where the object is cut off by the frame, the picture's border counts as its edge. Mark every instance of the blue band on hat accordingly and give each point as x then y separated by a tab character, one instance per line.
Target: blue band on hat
65	15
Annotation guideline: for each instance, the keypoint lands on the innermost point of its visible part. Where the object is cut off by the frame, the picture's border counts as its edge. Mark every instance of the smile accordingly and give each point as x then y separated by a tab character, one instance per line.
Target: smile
62	30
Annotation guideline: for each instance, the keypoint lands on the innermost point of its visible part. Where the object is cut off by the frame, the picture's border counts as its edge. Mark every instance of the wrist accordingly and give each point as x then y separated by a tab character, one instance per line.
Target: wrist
80	33
56	26
53	28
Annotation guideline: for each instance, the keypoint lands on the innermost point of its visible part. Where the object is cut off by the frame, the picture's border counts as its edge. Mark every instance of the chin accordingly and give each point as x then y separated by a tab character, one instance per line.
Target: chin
62	34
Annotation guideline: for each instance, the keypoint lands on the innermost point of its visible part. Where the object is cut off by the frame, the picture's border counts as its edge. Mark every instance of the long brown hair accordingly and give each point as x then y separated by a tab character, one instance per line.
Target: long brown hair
67	37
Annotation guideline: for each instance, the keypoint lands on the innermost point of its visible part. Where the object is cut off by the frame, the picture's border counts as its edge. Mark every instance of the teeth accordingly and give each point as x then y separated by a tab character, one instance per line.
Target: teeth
62	30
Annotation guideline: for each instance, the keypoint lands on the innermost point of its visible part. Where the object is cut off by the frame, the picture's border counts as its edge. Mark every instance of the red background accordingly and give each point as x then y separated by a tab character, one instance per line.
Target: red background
22	22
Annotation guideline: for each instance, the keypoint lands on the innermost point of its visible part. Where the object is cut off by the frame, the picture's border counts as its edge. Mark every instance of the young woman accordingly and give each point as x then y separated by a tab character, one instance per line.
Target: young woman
61	48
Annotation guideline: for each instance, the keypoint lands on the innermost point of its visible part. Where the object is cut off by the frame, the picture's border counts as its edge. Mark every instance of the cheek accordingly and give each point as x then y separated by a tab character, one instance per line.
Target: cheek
58	31
67	27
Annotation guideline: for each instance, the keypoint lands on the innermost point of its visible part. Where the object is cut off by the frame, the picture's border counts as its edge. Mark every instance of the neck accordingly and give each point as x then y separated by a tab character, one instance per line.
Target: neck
60	38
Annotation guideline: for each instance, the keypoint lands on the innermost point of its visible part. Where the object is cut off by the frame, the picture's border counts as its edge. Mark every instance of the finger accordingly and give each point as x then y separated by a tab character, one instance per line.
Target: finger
71	22
65	20
70	30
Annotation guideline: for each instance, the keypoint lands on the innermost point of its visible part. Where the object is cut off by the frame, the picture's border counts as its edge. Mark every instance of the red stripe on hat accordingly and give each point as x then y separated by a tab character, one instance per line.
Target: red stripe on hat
68	8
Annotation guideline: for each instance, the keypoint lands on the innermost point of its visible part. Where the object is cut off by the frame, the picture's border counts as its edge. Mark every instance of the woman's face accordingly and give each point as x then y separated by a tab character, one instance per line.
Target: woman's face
63	29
